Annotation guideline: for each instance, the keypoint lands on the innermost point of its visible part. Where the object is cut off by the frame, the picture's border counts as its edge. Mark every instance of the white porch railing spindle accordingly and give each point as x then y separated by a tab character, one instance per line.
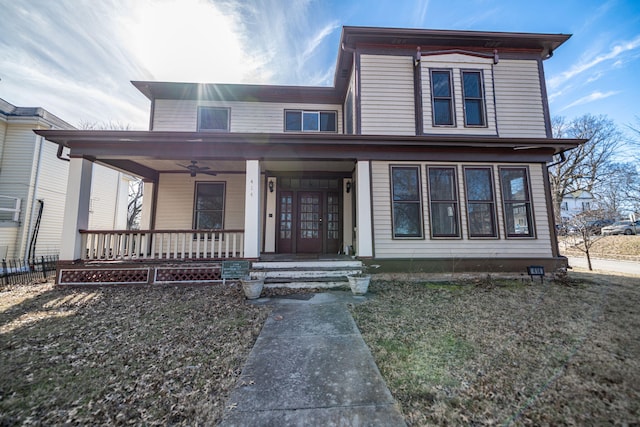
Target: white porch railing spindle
157	244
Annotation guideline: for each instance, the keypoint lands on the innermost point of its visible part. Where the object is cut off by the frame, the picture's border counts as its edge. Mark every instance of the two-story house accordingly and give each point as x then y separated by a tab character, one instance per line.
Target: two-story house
33	185
428	153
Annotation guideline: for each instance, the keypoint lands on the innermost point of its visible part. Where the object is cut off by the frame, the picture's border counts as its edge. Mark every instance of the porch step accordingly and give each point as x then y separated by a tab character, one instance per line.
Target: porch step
307	274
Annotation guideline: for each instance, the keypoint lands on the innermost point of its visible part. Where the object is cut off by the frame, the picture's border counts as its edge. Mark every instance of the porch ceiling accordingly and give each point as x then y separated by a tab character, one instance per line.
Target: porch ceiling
235	166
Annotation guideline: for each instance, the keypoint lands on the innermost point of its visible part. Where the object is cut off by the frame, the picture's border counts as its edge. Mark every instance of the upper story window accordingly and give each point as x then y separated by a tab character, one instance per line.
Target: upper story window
442	98
310	121
213	119
473	96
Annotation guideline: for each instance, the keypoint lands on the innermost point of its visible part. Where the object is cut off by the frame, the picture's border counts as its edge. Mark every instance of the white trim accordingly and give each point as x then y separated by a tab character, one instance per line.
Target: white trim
364	238
252	210
76	214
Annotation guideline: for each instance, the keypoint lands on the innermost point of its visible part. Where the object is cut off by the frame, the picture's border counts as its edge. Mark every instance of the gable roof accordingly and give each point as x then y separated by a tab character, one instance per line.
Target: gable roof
351	40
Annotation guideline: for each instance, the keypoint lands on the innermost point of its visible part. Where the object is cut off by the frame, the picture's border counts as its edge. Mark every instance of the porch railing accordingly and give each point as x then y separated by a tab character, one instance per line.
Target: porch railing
107	245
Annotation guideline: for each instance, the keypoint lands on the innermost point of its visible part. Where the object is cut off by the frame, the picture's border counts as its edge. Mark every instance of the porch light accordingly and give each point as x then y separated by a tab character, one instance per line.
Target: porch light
348	186
271	186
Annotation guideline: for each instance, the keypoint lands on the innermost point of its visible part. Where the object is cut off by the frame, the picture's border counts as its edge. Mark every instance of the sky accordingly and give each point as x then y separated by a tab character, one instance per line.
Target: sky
76	58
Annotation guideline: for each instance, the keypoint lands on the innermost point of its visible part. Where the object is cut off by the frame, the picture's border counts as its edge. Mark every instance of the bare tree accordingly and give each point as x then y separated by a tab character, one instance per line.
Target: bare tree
587	165
110	125
134	207
584	232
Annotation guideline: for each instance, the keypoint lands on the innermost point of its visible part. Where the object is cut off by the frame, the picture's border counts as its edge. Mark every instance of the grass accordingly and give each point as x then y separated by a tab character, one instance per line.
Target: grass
496	352
475	353
133	355
612	247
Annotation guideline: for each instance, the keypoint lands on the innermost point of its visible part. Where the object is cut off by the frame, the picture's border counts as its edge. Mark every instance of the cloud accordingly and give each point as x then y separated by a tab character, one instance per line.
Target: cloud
586	65
419	17
594	96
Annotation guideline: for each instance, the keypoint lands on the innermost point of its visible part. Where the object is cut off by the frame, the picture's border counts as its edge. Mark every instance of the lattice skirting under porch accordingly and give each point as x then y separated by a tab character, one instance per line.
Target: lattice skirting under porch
124	275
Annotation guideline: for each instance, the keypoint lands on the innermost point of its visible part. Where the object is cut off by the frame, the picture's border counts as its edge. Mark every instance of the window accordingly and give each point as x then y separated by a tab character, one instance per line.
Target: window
213	119
516	199
586	206
310	121
480	202
564	206
442	98
406	201
209	206
473	98
443	198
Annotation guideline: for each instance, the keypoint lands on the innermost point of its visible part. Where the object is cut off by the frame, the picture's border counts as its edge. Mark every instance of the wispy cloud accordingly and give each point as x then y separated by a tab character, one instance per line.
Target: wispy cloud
588	64
419	18
594	96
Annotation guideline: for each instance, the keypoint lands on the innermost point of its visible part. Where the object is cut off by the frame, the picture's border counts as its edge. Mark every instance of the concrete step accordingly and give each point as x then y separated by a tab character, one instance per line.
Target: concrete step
288	265
308	284
307	274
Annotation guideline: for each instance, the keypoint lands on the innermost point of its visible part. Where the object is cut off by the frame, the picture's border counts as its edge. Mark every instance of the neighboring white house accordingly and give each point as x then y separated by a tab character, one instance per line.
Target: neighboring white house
575	203
33	186
428	153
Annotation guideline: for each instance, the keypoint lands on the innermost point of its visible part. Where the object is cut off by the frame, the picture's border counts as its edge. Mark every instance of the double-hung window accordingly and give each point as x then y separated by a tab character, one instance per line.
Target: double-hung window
481	216
443	201
213	119
442	98
310	121
473	96
516	198
406	201
208	212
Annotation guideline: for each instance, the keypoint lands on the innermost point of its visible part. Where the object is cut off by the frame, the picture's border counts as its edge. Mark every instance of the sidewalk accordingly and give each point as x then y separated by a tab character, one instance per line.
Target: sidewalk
311	367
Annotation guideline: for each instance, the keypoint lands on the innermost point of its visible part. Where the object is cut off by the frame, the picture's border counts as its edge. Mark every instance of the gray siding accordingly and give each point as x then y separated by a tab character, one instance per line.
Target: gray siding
387	95
253	117
175	200
519	99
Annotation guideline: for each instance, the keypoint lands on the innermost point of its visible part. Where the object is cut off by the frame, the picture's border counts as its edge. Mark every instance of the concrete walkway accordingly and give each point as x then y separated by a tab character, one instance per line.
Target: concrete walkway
311	367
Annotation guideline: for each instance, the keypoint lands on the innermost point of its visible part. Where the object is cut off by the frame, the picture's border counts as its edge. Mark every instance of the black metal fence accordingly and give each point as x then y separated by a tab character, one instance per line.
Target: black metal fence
20	271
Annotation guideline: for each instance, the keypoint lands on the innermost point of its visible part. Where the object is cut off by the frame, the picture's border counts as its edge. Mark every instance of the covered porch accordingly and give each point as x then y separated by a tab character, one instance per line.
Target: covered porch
203	205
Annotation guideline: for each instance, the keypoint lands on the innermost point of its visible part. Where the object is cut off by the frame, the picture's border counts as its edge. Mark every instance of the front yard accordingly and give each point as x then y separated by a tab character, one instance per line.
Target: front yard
115	356
459	354
488	353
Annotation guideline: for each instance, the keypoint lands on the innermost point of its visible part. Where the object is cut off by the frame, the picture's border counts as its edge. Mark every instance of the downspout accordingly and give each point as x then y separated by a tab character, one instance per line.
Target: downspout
59	153
550	212
34	197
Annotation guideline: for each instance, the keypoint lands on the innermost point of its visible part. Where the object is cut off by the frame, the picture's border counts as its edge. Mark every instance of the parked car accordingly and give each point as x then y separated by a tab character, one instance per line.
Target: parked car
621	227
592	227
595	227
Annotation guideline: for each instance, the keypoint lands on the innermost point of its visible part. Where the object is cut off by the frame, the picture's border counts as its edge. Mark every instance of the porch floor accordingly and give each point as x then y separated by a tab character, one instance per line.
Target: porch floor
304	257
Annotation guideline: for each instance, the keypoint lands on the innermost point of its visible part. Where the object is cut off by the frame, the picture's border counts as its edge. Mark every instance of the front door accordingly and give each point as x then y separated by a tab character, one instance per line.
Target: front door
310	227
309	221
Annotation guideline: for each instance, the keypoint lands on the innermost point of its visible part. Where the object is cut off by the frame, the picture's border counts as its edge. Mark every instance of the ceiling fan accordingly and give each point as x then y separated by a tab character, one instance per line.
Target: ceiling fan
194	169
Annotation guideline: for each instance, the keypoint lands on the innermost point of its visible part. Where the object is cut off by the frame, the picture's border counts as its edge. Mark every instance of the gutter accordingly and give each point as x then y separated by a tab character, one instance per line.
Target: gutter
59	153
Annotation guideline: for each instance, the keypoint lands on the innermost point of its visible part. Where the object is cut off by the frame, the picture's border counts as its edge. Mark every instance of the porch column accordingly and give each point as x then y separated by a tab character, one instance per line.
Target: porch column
364	238
148	190
252	210
76	209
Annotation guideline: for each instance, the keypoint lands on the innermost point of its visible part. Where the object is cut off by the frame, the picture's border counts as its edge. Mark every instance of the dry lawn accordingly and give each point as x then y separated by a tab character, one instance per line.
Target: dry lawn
491	352
115	356
611	247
